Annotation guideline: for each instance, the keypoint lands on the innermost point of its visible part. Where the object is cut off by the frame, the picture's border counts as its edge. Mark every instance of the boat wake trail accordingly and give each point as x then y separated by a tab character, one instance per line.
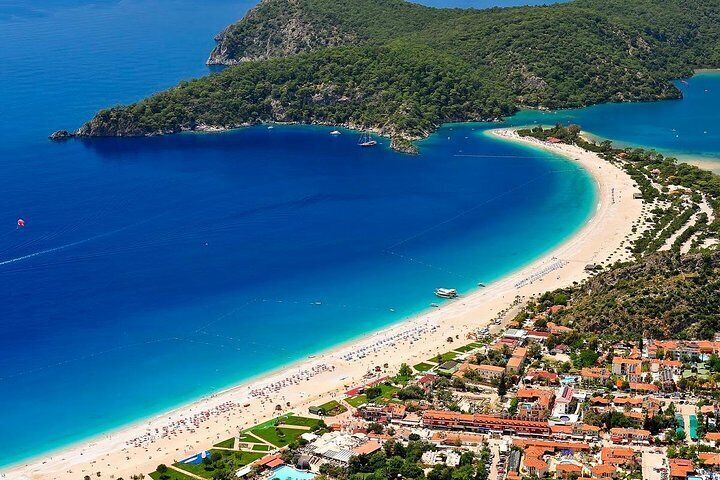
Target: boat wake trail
51	250
71	244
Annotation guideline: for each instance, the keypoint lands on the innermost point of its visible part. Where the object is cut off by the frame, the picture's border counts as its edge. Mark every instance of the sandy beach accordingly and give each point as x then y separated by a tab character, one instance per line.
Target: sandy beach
140	447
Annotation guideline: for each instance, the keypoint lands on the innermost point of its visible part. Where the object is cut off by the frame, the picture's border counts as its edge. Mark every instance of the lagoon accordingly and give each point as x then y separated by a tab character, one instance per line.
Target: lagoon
688	129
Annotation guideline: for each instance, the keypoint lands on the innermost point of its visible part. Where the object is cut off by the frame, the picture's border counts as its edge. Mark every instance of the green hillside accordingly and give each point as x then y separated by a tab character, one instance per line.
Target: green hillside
403	69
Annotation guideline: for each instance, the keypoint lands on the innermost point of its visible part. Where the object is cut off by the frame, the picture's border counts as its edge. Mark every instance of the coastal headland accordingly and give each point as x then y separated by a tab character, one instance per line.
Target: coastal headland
139	448
413	68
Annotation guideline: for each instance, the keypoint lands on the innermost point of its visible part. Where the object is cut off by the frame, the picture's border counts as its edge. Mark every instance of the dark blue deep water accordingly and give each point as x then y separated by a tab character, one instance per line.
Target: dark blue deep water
153	271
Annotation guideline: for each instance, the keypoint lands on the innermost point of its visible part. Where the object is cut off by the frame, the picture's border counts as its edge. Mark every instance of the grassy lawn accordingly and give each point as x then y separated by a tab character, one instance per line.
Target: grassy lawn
357	400
444	357
261	447
170	475
467	348
228	461
278	436
422	367
301	421
387	391
229	443
273	432
386	394
245	438
332	408
270	422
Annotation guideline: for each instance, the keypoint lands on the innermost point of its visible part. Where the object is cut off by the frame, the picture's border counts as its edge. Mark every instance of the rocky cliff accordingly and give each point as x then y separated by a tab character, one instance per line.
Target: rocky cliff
273	29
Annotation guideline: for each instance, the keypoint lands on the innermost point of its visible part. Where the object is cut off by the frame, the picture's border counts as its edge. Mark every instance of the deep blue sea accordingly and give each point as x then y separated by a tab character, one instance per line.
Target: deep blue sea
153	271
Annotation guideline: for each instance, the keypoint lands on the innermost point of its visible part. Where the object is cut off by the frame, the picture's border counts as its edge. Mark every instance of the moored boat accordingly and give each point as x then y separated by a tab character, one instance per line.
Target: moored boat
446	292
366	140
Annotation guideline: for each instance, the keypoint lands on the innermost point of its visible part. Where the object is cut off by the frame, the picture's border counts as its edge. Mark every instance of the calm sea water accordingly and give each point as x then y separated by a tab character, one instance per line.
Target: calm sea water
153	271
688	128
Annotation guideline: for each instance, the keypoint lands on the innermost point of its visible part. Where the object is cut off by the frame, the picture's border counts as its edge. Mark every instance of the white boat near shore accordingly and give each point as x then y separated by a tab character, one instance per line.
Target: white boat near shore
446	292
366	140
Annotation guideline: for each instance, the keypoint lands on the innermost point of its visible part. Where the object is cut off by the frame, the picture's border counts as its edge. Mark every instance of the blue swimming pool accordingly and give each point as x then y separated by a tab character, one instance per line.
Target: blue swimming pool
693	427
290	473
680	423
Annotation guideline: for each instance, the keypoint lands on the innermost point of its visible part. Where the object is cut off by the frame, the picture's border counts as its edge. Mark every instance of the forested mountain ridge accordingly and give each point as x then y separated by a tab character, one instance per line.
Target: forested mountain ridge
402	69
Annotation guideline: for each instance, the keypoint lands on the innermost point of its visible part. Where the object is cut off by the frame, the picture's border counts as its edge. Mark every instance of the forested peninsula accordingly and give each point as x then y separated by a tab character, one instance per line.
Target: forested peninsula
402	69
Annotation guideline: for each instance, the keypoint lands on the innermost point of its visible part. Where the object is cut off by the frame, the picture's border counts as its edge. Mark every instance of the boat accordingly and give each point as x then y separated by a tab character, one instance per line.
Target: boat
481	285
366	140
335	132
446	292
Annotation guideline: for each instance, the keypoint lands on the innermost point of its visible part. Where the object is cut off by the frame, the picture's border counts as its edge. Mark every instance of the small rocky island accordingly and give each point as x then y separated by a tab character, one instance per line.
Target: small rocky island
61	135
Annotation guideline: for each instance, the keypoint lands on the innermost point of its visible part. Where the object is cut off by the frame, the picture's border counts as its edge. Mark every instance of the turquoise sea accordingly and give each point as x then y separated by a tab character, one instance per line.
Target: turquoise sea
688	129
154	271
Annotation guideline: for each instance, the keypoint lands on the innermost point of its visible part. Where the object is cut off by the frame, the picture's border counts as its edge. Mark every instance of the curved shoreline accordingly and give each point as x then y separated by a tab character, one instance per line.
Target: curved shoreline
594	241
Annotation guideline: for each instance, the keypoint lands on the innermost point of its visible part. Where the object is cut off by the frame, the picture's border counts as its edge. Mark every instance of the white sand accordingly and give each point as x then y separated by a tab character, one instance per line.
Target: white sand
197	426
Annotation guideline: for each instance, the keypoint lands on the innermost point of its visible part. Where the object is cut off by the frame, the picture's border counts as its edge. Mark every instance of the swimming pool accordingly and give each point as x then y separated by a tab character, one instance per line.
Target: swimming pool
680	423
693	427
290	473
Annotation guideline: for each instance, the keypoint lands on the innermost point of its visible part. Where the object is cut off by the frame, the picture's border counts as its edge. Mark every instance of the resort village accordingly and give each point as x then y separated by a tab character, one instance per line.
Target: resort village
532	399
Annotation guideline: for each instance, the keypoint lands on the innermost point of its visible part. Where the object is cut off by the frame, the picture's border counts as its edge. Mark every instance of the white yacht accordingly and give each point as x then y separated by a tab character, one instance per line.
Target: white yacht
366	140
446	292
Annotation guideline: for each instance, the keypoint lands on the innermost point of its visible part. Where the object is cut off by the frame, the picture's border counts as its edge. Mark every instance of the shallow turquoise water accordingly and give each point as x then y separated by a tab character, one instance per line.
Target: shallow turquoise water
688	128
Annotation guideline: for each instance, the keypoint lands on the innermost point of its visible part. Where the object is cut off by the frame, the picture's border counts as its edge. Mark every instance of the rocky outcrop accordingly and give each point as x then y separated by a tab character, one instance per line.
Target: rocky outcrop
273	29
122	122
404	146
60	135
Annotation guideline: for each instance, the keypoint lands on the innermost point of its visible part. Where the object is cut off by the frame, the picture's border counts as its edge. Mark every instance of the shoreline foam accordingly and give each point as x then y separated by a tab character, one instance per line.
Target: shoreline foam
597	238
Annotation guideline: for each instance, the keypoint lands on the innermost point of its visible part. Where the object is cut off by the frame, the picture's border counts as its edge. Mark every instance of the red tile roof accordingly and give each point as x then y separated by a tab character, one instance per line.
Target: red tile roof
679	467
709	458
644	387
568	468
603	470
275	463
367	448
